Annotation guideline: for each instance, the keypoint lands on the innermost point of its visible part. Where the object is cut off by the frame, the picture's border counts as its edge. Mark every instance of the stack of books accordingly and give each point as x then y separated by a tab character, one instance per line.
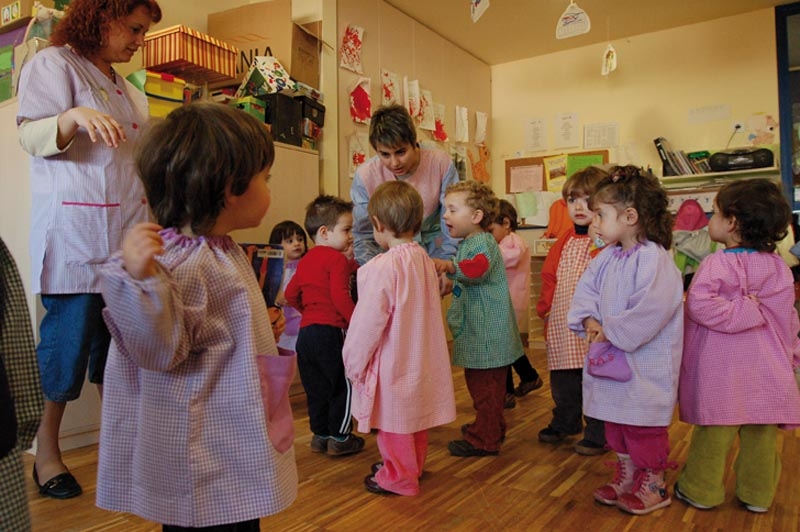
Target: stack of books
678	162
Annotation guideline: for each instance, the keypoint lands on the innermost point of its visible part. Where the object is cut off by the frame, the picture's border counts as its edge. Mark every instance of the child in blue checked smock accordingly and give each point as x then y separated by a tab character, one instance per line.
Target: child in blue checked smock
481	317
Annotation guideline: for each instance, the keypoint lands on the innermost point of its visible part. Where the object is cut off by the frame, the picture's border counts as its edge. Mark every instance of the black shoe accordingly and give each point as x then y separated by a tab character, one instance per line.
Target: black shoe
372	486
527	387
63	486
510	401
376	467
350	445
464	448
589	448
551	435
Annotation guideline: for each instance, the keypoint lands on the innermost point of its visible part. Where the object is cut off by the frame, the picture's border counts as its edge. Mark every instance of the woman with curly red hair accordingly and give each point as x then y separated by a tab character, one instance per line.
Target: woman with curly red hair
79	122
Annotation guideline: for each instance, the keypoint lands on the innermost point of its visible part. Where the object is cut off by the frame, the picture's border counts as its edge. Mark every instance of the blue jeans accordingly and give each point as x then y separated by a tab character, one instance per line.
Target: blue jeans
73	336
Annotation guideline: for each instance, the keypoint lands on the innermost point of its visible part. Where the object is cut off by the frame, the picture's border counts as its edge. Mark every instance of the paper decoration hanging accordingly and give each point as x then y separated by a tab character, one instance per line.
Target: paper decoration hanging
609	60
426	116
480	127
350	51
412	95
573	22
360	101
438	115
462	124
477	8
357	148
479	171
390	88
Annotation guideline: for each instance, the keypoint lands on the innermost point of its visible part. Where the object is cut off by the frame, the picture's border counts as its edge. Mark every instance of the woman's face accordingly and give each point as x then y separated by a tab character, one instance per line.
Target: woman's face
125	36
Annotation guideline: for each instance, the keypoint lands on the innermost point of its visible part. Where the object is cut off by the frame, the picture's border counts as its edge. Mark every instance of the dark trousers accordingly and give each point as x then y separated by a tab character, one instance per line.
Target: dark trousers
319	359
566	387
526	372
485	386
244	526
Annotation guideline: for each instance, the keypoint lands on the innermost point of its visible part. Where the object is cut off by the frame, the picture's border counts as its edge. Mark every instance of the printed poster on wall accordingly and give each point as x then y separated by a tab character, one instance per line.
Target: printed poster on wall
555	172
426	118
357	148
438	115
391	89
360	101
350	51
462	124
568	133
480	127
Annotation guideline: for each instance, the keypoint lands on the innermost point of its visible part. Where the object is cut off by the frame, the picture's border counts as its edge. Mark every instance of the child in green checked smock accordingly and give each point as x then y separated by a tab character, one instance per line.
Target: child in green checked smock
481	317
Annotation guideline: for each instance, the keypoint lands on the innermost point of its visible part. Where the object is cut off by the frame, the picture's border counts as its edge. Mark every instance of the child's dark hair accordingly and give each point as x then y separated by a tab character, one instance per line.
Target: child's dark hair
398	206
392	126
325	210
479	197
628	186
506	211
583	182
287	229
762	213
189	161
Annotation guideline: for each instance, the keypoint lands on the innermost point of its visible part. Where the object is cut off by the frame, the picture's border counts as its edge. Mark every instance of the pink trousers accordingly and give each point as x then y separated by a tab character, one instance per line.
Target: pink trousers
648	447
403	458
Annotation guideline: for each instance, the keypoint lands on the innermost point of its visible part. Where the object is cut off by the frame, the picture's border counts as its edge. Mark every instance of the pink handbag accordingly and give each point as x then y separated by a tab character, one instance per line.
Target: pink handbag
608	362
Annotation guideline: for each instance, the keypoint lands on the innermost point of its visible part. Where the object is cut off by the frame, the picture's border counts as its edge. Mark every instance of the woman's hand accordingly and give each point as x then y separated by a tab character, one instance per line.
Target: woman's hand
139	249
97	124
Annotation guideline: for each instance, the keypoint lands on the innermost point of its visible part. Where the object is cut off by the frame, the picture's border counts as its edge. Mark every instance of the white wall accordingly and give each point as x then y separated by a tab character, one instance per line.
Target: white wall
661	77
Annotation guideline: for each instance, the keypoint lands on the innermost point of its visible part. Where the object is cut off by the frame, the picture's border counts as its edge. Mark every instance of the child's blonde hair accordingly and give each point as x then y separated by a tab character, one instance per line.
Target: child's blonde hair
583	182
628	186
479	197
398	206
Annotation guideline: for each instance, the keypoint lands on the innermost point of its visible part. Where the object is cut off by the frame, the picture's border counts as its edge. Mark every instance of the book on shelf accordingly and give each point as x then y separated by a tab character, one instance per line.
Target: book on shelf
678	162
663	147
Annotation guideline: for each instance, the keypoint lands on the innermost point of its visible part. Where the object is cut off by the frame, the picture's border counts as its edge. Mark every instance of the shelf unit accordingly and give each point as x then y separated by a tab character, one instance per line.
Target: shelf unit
703	187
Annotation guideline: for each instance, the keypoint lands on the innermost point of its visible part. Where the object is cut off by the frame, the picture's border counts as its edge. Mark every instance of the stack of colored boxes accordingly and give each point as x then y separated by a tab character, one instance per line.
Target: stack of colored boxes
164	93
313	118
250	105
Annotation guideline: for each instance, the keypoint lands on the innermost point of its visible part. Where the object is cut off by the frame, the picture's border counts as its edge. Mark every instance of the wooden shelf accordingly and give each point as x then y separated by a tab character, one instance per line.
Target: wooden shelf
714	179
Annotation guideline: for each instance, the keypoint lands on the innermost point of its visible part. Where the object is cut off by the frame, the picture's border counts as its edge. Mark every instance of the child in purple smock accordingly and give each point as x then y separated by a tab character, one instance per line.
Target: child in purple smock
631	295
292	237
740	349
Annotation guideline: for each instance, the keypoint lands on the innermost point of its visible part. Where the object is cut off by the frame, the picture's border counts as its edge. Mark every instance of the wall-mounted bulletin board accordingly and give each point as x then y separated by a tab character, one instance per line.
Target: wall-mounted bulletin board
534	183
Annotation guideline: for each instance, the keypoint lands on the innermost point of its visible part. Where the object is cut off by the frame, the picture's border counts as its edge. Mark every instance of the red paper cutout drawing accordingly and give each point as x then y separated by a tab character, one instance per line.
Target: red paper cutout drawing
360	102
351	49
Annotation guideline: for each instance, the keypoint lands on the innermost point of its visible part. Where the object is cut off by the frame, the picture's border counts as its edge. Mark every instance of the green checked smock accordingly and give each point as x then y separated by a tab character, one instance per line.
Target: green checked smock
481	316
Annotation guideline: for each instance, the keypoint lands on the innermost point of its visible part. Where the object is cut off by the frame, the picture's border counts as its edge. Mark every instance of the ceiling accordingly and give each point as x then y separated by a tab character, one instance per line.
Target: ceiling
510	30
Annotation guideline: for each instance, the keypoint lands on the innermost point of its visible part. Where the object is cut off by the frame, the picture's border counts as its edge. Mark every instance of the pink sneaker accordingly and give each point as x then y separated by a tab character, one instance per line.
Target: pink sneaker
649	493
621	483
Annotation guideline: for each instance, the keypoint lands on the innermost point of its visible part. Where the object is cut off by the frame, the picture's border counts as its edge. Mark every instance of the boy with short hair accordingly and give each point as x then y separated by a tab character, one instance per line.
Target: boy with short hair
320	290
481	317
392	134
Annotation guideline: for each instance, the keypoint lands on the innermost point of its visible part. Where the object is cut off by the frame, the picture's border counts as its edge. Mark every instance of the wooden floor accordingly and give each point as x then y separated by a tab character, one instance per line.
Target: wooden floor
530	486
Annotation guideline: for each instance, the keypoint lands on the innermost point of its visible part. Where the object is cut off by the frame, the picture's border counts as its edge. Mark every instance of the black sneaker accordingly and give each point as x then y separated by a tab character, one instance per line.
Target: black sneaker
551	435
510	401
319	444
350	445
589	448
527	387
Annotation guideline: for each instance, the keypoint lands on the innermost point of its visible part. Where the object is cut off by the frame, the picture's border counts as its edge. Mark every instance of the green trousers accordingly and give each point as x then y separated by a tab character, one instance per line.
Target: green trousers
757	467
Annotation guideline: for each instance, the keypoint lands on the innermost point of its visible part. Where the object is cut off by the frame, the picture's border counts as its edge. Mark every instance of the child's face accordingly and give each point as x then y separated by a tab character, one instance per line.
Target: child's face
340	236
461	219
722	229
294	246
613	225
399	160
500	230
579	211
248	209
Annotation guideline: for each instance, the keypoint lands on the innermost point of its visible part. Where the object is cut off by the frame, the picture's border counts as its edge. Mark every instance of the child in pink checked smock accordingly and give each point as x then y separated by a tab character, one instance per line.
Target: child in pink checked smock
395	353
740	349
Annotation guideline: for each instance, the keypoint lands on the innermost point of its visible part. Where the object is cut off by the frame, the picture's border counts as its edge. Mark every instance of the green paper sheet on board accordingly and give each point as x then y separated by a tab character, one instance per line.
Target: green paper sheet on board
579	162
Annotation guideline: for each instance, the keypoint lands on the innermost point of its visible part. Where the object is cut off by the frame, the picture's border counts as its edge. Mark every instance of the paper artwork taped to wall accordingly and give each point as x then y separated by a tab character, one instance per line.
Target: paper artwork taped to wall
481	120
438	116
391	89
358	148
477	8
425	117
479	170
412	97
350	51
360	101
462	124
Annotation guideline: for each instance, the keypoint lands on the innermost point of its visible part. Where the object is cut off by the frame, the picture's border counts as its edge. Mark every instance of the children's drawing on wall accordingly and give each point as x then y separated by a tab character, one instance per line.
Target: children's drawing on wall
425	117
555	172
479	171
481	120
459	155
762	129
438	116
350	51
477	8
462	124
609	60
390	83
360	101
357	149
412	99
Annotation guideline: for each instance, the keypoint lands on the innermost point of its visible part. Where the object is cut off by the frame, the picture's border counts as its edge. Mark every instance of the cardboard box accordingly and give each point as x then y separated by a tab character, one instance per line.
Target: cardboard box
16	13
255	27
190	54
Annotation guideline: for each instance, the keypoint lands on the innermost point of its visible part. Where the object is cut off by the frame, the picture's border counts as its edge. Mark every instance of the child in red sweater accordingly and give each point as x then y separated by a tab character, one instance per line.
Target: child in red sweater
320	290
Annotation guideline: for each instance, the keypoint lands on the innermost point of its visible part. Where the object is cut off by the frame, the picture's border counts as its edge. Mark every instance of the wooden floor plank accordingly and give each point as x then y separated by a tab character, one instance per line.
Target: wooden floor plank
530	486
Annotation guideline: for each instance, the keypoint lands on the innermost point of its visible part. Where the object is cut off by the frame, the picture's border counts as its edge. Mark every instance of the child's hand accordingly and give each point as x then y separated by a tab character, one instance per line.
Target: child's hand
445	285
277	320
444	266
141	245
594	330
